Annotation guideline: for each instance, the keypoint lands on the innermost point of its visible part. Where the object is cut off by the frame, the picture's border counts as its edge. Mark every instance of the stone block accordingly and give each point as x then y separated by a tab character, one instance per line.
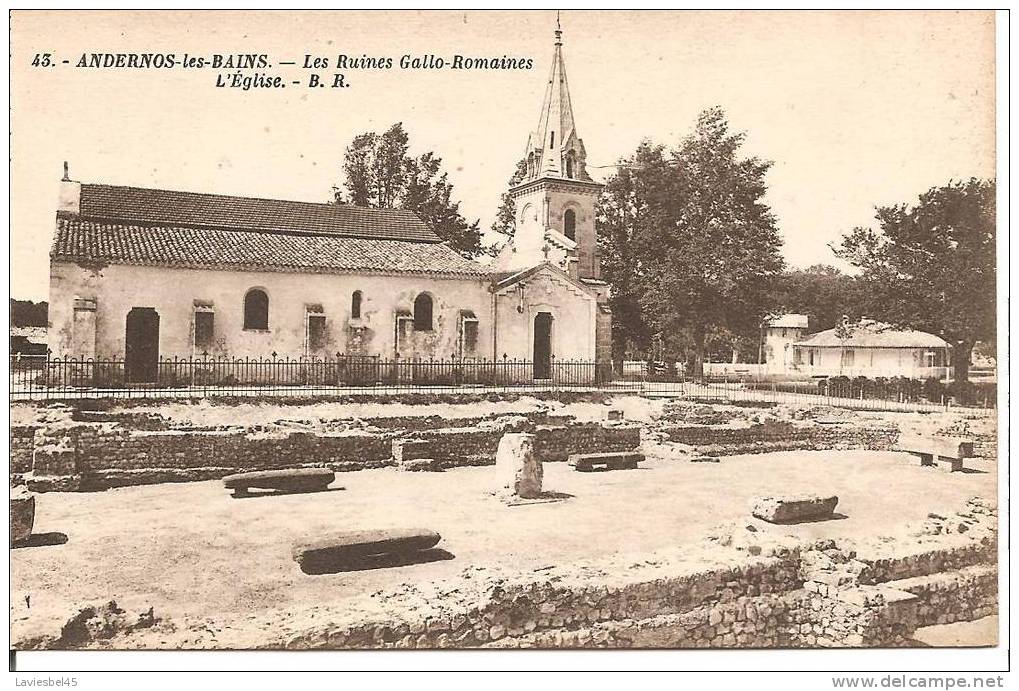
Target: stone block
22	514
613	415
794	509
934	446
420	465
411	449
290	480
362	544
517	467
586	462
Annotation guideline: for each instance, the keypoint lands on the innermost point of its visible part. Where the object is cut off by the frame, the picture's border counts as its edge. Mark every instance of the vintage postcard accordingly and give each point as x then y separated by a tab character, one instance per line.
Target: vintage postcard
538	329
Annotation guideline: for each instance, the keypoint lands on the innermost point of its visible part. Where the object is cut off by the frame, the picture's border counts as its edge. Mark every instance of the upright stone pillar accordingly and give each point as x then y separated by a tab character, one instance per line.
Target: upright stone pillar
518	467
83	334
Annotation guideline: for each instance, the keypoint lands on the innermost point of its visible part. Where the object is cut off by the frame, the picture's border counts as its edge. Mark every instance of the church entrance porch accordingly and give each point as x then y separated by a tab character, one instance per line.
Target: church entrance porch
542	345
141	346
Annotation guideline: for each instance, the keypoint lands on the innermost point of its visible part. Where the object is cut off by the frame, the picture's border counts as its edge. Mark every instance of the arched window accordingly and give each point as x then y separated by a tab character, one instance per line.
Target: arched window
569	167
355	305
256	310
423	312
570	224
551	140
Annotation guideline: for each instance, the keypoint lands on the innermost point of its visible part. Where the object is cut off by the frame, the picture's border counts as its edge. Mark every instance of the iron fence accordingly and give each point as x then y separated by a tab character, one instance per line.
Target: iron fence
43	377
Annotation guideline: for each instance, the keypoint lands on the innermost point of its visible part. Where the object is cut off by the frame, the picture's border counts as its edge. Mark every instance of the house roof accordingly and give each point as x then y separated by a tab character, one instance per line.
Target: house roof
789	321
215	248
199	210
872	334
32	334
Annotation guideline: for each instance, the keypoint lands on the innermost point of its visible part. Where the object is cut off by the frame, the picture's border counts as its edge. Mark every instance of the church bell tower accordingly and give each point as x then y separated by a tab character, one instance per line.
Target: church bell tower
555	202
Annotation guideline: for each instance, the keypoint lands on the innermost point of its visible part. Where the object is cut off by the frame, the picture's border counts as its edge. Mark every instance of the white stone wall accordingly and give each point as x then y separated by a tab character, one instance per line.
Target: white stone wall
869	362
173	292
573	312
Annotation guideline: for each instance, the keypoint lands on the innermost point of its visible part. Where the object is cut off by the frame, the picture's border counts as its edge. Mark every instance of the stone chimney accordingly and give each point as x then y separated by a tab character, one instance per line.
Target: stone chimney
69	200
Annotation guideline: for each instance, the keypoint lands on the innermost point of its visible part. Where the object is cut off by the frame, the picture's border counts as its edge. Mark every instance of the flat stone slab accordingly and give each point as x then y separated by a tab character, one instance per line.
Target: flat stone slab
794	509
22	514
420	465
289	480
949	447
705	459
362	544
613	460
946	453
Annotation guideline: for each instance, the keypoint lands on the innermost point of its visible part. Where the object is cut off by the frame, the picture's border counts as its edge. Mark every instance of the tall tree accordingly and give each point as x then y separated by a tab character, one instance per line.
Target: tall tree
506	217
378	172
931	266
690	229
629	213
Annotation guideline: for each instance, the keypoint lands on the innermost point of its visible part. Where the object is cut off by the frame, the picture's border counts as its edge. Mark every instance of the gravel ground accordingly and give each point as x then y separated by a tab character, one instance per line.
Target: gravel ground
192	550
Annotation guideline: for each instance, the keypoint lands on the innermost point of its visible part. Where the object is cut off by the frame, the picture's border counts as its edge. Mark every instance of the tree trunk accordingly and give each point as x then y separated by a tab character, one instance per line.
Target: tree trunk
618	354
961	356
695	360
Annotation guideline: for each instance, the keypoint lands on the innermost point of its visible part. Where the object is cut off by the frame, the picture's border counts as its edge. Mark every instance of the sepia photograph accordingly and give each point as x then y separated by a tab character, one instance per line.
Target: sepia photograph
508	331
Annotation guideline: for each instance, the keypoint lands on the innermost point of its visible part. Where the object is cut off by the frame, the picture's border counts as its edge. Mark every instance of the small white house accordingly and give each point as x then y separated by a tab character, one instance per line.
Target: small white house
778	335
872	349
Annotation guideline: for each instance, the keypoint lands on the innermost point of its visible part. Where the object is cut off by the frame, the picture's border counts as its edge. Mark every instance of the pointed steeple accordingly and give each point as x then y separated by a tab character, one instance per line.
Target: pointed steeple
555	149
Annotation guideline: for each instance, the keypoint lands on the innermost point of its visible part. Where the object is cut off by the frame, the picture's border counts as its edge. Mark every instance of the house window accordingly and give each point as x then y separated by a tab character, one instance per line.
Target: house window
423	312
316	329
256	310
205	328
848	357
570	224
355	305
930	359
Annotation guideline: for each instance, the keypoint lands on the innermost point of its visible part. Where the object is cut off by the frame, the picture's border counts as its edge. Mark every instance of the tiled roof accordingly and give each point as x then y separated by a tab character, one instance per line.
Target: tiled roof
873	334
789	321
168	207
213	248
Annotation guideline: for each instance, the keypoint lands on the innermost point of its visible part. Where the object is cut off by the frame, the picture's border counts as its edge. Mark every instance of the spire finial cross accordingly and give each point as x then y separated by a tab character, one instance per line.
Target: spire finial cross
558	30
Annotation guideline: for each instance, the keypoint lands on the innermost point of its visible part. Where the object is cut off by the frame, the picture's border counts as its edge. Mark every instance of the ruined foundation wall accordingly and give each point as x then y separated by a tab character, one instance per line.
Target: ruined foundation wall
779	436
67	454
723	594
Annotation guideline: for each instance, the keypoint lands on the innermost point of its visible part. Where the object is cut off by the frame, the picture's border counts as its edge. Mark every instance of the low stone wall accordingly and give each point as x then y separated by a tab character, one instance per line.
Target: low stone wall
22	444
770	436
65	453
964	595
121	457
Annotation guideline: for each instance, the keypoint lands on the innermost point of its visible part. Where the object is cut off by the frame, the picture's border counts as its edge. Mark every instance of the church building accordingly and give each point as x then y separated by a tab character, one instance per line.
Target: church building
147	275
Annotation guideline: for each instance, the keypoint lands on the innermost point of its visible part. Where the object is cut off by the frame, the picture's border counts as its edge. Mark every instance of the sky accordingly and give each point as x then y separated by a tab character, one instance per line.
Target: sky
855	109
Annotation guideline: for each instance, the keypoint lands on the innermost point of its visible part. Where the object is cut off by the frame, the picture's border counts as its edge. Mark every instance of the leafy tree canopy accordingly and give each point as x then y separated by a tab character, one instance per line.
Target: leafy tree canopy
931	266
378	172
688	243
823	293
